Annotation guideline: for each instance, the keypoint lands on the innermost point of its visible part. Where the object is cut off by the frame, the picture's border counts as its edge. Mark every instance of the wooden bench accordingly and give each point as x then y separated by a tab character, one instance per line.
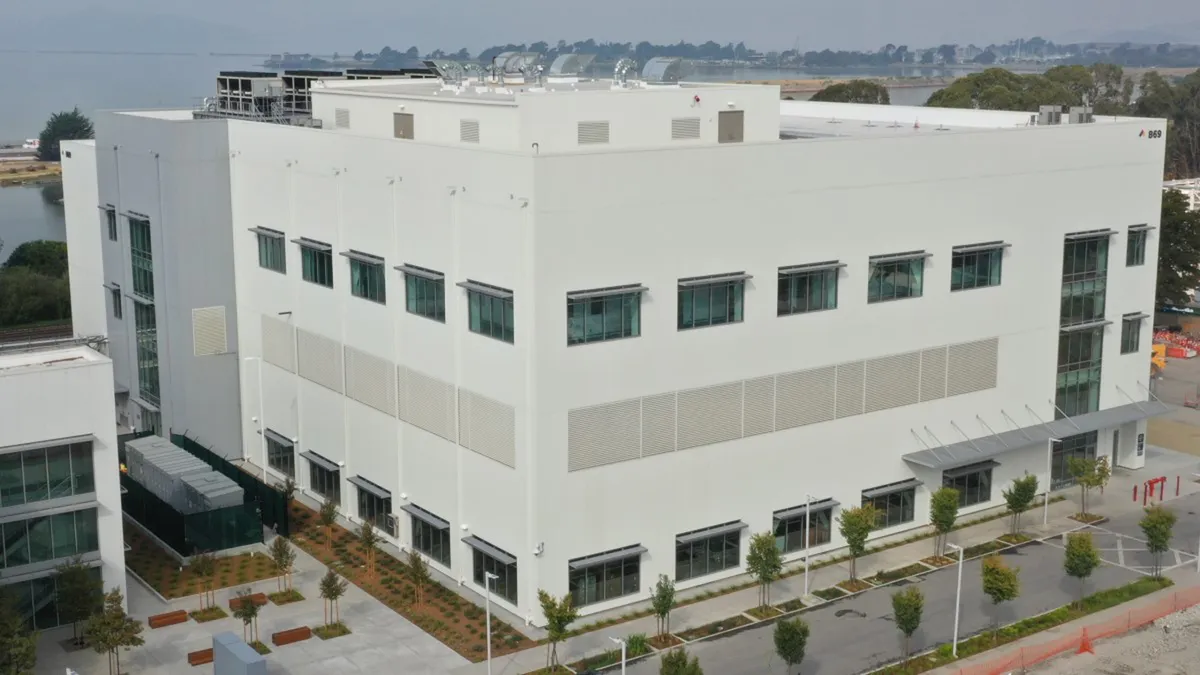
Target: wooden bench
289	636
168	619
200	658
259	599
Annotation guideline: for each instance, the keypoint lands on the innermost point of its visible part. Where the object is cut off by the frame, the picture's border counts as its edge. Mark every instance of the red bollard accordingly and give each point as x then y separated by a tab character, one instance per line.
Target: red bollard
1177	485
1162	488
1145	492
1135	492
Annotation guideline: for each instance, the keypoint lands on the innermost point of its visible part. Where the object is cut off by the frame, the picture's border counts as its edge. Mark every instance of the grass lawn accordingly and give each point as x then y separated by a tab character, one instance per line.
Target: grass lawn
331	631
208	614
285	597
888	576
714	627
831	593
157	568
762	613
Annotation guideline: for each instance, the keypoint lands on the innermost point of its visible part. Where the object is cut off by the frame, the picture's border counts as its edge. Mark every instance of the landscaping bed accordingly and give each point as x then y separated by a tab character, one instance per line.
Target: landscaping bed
157	568
981	549
664	641
831	593
854	585
714	627
286	597
208	614
888	576
938	561
331	631
791	606
635	645
455	621
1014	539
260	648
1088	518
764	613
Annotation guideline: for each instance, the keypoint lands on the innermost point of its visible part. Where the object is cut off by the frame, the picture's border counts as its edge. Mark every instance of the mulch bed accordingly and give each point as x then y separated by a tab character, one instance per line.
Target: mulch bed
888	576
157	568
854	585
791	606
664	641
831	593
715	627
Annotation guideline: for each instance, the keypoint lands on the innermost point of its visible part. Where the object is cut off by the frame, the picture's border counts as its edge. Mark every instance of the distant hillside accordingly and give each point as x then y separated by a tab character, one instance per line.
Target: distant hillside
99	29
1186	32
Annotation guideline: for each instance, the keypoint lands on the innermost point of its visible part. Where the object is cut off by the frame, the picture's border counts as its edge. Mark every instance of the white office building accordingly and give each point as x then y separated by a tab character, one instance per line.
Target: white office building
579	334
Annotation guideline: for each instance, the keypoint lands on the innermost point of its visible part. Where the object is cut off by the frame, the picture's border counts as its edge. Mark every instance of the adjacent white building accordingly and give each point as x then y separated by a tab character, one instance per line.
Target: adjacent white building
579	334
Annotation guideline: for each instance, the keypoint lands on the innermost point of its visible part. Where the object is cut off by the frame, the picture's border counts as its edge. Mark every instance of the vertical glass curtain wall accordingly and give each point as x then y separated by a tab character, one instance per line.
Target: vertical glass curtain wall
47	538
36	601
46	473
146	326
142	257
1081	446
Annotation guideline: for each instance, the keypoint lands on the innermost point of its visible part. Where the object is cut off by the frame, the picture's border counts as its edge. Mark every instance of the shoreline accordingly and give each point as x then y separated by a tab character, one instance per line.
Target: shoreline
812	85
33	173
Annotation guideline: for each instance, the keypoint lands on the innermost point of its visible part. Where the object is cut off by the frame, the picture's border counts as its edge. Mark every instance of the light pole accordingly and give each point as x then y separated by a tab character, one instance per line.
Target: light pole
957	597
262	425
807	536
621	642
1049	478
488	578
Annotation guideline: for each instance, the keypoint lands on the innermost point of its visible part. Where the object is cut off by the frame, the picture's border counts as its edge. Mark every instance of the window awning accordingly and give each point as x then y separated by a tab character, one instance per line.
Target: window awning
1135	316
606	291
1086	325
320	461
423	515
714	279
812	267
893	488
363	257
482	546
607	556
1140	228
369	487
493	291
279	438
970	468
987	447
788	514
697	535
985	246
313	244
1090	234
267	232
67	440
415	271
899	257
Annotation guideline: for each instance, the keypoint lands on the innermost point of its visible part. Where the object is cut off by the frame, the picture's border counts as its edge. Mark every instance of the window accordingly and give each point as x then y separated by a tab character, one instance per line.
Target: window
430	539
374	504
1081	446
281	454
316	262
142	257
1131	333
976	266
489	311
46	473
1135	246
1079	361
498	562
37	600
367	278
973	483
147	352
1085	276
603	314
895	277
110	217
324	478
47	538
606	576
151	421
699	553
808	290
424	292
895	503
271	253
117	308
790	525
710	301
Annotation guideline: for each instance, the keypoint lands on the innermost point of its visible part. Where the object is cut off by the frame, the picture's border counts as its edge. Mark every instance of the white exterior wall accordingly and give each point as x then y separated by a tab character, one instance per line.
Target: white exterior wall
90	304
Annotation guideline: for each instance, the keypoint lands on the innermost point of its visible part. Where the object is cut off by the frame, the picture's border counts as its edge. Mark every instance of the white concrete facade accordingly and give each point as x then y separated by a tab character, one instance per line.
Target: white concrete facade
553	452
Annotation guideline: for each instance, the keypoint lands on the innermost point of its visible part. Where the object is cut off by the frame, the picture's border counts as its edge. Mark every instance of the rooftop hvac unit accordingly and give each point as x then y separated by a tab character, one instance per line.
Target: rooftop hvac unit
1050	114
1081	115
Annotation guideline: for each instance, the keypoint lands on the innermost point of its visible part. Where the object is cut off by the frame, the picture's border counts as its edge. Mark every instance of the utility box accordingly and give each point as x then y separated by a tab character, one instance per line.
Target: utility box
232	656
160	467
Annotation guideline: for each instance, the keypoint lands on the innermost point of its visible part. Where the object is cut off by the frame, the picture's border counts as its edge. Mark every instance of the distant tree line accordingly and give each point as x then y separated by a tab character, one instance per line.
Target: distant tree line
34	286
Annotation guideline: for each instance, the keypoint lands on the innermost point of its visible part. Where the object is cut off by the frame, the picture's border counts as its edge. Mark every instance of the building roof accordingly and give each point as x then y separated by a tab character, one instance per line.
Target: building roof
33	359
473	90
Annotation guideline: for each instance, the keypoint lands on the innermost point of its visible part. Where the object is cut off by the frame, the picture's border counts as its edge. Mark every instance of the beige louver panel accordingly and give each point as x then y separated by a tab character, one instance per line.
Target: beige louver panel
685	128
933	373
758	406
604	434
893	381
487	427
972	367
468	131
592	133
658	424
850	377
369	381
208	331
710	415
341	118
427	403
805	397
278	343
319	359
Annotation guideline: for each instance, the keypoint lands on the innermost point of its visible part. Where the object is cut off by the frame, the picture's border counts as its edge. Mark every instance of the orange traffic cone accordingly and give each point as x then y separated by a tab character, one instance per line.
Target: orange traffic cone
1085	644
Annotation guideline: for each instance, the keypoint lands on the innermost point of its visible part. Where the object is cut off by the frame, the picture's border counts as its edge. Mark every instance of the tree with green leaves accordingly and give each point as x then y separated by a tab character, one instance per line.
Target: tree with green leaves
18	644
943	511
560	613
662	601
418	573
29	297
791	639
333	588
907	607
764	562
45	257
1157	526
289	490
283	557
854	91
1001	583
676	662
1019	499
69	125
856	524
80	594
1081	559
112	630
1087	474
247	611
369	538
327	517
1178	251
204	566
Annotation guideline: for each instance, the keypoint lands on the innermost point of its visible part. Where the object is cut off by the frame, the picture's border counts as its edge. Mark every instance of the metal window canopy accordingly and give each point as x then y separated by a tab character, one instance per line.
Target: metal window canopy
313	244
788	514
361	257
369	487
134	215
320	461
606	557
413	270
423	515
1135	316
899	257
1086	325
812	267
1143	227
715	531
1090	234
503	557
279	438
970	469
267	232
485	289
606	292
728	277
985	246
989	447
891	488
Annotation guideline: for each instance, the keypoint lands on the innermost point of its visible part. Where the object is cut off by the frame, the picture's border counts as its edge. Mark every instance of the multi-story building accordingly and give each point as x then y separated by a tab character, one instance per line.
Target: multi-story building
579	334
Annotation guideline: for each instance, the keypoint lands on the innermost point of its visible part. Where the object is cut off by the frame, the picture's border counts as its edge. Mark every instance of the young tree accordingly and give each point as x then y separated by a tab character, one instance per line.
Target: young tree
1081	558
113	629
418	572
676	662
791	638
855	525
1157	525
1087	475
284	559
327	517
247	611
289	490
204	566
62	126
1001	583
560	614
907	606
369	539
943	511
662	601
1020	498
333	588
1179	246
764	562
18	644
79	595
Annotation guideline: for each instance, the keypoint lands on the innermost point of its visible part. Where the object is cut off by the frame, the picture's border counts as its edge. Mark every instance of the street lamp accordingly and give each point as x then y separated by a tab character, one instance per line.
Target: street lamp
621	642
957	597
807	537
1049	477
262	425
488	578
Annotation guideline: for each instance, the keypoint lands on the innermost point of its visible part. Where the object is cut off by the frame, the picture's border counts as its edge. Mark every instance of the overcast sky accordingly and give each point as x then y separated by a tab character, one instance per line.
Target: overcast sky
324	25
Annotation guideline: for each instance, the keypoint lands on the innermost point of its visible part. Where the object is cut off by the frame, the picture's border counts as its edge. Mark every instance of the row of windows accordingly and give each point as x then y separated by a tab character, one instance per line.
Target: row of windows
46	473
973	484
37	600
505	583
146	326
48	538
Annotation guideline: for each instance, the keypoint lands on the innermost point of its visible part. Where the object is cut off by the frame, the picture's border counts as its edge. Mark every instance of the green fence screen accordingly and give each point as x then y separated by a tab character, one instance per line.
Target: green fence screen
270	501
189	533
